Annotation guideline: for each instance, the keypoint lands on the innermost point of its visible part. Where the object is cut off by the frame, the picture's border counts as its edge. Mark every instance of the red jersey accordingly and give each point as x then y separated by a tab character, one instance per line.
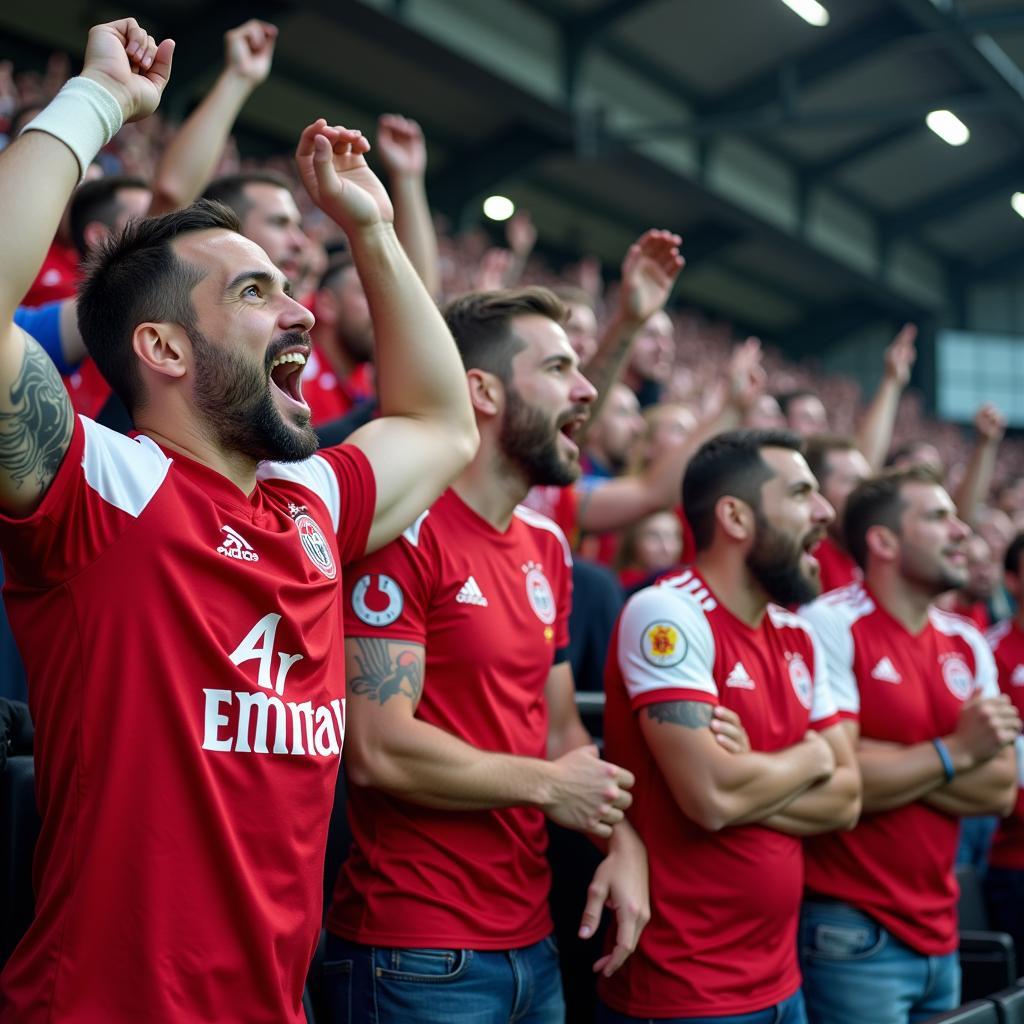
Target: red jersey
897	866
837	567
976	611
724	905
492	610
57	278
329	397
560	504
183	646
1007	643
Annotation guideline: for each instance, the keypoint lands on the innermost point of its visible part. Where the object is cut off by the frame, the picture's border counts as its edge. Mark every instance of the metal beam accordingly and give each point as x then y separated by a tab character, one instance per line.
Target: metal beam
823	61
1007	265
978	56
592	23
825	326
866	147
911	218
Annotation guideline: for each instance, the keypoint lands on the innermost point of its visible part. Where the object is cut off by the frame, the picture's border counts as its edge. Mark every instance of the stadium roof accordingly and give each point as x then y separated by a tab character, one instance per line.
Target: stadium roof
794	160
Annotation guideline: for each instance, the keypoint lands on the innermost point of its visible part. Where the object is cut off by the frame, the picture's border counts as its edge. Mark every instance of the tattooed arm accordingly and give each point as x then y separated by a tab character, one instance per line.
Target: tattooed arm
716	788
388	747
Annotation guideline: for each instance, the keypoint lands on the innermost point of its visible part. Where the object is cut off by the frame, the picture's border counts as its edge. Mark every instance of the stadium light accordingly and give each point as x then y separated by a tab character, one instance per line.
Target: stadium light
948	127
1017	202
810	10
499	207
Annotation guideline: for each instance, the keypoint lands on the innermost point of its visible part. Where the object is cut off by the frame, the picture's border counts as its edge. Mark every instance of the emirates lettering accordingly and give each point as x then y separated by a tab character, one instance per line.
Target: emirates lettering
243	722
247	722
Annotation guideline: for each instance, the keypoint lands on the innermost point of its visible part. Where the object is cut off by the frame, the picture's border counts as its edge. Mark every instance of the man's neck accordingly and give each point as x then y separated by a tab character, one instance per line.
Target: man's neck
734	587
906	602
237	468
491	487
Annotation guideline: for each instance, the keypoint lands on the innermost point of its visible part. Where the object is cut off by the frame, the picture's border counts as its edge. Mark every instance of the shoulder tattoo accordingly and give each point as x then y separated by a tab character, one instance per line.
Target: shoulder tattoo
693	714
35	435
382	676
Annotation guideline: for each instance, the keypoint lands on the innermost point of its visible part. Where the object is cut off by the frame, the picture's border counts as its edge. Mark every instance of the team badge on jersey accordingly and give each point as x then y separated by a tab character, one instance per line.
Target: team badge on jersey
377	599
539	593
800	677
314	543
957	677
663	644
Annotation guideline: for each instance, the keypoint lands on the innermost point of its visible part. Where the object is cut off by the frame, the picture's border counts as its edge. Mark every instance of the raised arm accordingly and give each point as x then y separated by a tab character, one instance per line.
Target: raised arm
427	431
649	271
403	151
190	159
990	426
389	748
875	432
617	503
123	77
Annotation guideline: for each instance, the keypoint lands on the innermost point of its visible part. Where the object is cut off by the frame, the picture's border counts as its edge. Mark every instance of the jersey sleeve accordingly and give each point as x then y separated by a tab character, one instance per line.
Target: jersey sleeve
833	638
666	649
389	592
986	674
343	479
824	711
104	483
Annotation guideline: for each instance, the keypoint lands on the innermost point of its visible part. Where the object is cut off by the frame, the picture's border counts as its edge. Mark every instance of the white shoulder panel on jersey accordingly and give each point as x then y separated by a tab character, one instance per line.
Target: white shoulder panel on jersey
823	701
832	618
686	582
314	473
125	472
541	522
666	643
997	633
781	618
986	675
412	533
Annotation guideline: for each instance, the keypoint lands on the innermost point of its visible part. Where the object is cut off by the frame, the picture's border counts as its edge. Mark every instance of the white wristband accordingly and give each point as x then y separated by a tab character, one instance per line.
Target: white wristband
84	116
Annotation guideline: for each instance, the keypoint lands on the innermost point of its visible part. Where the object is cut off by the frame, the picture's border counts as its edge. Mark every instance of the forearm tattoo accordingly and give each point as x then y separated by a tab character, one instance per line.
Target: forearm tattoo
693	714
35	435
381	677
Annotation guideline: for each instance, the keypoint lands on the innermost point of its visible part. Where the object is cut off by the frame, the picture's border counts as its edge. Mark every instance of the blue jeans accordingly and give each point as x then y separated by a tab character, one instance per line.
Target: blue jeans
789	1011
374	985
856	972
975	841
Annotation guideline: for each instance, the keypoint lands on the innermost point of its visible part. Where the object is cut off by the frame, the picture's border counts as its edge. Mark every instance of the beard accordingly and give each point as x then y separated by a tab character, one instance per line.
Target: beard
775	562
926	573
529	440
234	399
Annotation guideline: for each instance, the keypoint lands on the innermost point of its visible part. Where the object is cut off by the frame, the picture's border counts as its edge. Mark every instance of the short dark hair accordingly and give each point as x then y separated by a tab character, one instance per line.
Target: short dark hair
786	398
230	189
817	449
481	323
1011	560
338	262
878	501
136	277
729	464
98	201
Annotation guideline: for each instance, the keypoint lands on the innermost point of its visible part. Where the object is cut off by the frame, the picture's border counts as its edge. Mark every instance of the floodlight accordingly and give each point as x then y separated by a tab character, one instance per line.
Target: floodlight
499	207
948	127
810	10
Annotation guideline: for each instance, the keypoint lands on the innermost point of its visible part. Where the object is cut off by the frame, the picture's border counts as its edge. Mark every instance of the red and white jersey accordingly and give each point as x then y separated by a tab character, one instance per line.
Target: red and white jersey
724	905
184	651
560	504
491	610
1007	642
837	567
897	866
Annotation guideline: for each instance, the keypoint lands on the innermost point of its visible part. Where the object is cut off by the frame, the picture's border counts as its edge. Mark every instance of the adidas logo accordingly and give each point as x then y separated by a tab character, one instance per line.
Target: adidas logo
471	594
1017	678
236	546
739	677
885	671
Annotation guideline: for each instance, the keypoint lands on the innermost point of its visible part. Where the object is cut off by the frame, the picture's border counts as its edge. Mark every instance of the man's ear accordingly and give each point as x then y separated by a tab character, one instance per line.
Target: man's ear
735	517
882	542
94	234
163	348
486	392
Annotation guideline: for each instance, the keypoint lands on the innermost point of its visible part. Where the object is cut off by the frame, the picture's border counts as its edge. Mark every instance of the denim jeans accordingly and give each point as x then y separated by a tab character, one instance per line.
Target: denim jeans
789	1011
375	985
856	972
